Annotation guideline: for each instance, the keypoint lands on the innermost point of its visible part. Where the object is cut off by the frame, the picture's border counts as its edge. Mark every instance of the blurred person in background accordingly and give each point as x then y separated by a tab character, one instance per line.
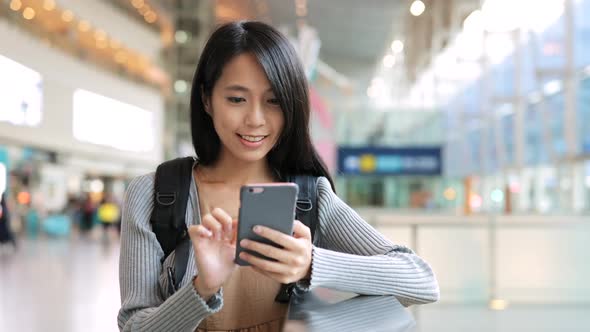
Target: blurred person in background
6	235
32	220
250	124
73	210
87	209
108	214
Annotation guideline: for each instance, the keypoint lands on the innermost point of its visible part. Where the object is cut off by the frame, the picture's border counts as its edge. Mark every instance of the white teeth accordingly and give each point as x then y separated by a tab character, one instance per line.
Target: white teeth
252	138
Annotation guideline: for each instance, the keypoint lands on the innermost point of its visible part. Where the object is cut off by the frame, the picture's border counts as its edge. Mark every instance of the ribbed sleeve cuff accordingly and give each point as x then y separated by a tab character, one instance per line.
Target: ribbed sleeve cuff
304	285
374	275
214	304
327	269
183	311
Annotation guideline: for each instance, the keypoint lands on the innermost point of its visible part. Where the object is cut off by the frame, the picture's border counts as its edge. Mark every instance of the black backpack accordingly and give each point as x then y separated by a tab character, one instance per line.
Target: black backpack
171	192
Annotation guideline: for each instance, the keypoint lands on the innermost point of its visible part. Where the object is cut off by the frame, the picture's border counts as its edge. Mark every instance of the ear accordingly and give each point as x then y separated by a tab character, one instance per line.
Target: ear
206	102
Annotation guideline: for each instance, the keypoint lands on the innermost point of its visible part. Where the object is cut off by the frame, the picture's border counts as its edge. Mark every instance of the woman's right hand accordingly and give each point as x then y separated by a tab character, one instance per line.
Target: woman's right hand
215	251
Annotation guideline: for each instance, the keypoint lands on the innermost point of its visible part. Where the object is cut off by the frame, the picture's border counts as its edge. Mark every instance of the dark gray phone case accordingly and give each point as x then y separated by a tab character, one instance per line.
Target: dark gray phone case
270	205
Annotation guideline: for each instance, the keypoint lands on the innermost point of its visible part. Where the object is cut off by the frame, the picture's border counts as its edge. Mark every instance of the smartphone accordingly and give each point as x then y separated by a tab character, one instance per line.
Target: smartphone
268	204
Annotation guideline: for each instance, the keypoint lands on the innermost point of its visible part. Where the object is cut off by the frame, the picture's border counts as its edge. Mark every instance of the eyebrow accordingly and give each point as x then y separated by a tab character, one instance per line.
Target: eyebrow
240	88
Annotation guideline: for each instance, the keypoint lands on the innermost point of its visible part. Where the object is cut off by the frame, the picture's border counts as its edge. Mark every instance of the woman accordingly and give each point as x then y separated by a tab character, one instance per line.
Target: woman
250	117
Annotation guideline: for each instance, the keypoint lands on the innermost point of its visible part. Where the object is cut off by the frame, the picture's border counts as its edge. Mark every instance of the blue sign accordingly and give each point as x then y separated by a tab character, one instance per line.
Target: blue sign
390	161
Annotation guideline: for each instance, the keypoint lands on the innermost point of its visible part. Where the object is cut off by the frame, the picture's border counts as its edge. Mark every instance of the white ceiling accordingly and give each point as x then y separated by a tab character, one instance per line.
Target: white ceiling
353	32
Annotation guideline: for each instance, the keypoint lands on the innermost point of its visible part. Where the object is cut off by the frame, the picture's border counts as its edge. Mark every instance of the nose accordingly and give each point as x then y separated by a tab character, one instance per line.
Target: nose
255	116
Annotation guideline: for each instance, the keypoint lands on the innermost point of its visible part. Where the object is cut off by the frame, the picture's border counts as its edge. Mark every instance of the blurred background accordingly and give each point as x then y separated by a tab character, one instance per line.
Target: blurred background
460	128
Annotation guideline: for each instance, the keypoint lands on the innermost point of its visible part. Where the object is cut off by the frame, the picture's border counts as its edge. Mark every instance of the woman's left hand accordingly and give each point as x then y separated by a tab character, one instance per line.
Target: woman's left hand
293	261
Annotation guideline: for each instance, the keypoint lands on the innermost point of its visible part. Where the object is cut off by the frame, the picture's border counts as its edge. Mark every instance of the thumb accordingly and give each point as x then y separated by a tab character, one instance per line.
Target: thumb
300	230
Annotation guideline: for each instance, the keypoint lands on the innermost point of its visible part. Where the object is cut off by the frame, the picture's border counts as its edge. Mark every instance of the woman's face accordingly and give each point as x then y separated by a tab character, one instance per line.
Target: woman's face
246	115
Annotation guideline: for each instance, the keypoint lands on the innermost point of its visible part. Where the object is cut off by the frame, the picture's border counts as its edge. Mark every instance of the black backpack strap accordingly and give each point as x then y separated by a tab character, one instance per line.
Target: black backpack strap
306	212
171	191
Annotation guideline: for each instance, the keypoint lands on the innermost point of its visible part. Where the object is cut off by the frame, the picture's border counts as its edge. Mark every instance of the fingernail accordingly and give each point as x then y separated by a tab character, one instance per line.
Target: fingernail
257	229
244	243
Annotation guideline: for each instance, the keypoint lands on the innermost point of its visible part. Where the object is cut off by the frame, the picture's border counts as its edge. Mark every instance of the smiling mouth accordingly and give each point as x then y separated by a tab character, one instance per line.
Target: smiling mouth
252	139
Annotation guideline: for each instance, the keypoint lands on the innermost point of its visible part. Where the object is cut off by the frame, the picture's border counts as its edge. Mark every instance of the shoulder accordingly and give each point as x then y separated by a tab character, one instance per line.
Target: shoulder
324	186
140	188
325	193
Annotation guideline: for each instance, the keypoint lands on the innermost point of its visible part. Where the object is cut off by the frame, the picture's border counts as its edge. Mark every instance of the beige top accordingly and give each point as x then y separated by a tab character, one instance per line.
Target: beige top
249	305
348	251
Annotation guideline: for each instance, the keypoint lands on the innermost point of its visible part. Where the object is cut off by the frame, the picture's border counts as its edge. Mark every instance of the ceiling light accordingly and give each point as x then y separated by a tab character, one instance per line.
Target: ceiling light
100	35
137	3
181	36
450	194
552	87
49	5
67	16
417	8
397	46
96	186
389	61
150	17
29	13
498	304
143	10
84	26
180	86
16	5
497	195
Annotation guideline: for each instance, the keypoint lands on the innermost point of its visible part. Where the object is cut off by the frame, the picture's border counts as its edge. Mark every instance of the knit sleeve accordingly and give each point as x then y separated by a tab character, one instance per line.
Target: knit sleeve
143	307
352	256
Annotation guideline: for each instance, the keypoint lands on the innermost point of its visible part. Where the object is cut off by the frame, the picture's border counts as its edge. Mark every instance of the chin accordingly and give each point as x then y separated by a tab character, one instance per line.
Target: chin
250	157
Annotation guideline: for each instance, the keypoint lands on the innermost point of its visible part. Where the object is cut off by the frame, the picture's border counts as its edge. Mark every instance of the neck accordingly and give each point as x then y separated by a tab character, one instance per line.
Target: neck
230	170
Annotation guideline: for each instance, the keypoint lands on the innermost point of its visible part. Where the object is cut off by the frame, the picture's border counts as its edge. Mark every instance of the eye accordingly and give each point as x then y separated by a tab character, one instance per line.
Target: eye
236	100
273	101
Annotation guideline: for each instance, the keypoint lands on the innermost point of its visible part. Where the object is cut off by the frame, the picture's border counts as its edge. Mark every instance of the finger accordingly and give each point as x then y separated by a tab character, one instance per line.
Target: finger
224	218
234	237
280	277
300	230
266	250
264	264
286	241
199	231
213	225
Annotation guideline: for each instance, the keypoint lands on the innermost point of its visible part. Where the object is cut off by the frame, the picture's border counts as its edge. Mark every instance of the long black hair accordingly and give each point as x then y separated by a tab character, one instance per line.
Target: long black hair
293	153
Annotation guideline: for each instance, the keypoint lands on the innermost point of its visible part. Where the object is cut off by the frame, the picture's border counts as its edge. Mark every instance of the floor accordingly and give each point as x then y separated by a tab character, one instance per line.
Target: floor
71	285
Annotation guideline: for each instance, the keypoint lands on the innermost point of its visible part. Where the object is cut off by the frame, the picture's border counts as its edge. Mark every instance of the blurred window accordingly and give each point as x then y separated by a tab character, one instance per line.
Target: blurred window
507	122
105	121
20	93
533	140
555	108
